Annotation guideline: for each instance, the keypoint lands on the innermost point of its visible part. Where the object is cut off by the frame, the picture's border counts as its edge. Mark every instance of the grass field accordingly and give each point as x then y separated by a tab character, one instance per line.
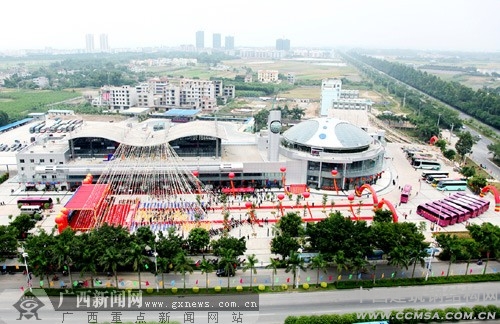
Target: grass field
20	103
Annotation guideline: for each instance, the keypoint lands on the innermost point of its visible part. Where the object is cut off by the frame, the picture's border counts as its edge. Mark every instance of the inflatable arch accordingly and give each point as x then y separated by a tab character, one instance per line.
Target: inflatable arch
494	191
391	208
359	192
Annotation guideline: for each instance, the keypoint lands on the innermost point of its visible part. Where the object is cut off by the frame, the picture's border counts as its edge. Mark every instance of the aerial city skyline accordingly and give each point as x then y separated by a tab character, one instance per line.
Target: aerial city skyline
451	25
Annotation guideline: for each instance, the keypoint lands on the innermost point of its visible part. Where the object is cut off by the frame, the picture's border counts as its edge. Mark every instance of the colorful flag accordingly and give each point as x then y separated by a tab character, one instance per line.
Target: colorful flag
339	277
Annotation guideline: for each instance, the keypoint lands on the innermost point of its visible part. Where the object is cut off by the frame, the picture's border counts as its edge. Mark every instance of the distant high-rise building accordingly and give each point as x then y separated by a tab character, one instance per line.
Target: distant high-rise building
103	42
200	39
283	44
229	43
89	43
330	92
216	41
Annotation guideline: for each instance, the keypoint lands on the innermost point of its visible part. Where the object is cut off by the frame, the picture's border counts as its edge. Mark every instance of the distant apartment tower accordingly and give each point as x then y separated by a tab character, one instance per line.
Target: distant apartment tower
229	43
216	41
89	43
330	92
103	43
282	44
200	39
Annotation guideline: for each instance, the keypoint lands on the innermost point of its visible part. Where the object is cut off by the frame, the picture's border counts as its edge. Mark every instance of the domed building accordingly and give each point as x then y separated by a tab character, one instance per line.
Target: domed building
339	155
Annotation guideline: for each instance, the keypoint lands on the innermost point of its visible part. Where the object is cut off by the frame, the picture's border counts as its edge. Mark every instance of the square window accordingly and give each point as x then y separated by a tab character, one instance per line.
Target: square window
21	161
32	160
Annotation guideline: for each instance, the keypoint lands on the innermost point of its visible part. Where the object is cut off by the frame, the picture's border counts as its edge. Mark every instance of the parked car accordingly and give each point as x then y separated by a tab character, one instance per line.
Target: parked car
223	273
432	250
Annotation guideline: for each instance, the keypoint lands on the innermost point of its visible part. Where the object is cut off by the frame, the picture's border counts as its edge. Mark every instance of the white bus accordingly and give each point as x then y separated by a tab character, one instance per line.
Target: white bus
427	164
31	209
452	185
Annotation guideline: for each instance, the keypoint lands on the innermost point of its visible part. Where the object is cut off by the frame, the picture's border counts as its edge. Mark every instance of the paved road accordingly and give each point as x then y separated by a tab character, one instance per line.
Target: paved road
274	308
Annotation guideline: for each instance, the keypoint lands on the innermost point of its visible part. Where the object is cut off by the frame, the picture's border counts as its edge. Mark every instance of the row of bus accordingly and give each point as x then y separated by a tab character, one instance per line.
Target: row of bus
454	209
441	180
58	127
422	160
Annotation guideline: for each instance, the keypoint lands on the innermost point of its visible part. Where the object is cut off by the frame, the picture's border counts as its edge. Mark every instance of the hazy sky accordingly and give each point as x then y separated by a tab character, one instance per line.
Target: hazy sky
416	24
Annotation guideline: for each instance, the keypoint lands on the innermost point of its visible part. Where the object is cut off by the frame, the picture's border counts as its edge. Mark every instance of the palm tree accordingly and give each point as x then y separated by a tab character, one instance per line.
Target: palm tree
250	265
341	262
470	250
294	263
228	260
135	256
400	258
417	256
206	267
110	260
86	259
274	264
359	265
318	262
183	264
163	266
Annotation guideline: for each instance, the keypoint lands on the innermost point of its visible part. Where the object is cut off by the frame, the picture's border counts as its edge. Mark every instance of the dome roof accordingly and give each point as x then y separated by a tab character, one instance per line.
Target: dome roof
328	133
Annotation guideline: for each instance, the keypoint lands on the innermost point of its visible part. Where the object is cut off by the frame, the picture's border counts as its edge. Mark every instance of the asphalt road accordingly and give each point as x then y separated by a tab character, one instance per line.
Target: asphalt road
274	308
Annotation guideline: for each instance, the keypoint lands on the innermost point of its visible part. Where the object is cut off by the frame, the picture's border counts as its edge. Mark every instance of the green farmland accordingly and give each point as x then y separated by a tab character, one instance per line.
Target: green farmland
18	104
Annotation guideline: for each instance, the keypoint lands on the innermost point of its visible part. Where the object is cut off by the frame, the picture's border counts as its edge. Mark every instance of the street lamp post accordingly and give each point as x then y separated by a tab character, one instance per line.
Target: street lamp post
28	277
429	268
155	254
299	251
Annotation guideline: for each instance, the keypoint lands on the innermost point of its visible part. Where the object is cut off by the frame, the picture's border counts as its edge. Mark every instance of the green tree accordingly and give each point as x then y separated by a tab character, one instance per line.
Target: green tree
4	118
464	144
441	144
8	242
319	263
163	266
471	251
183	264
273	265
86	259
134	256
282	244
341	262
40	254
198	239
64	250
450	154
488	237
229	242
417	256
291	225
23	224
494	149
399	257
227	263
206	267
293	264
468	171
476	183
110	260
382	215
250	264
451	246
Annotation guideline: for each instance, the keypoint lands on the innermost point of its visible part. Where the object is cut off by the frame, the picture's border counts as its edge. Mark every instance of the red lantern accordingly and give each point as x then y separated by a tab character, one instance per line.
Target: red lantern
350	197
248	204
334	172
64	211
281	196
196	173
283	169
231	175
306	194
